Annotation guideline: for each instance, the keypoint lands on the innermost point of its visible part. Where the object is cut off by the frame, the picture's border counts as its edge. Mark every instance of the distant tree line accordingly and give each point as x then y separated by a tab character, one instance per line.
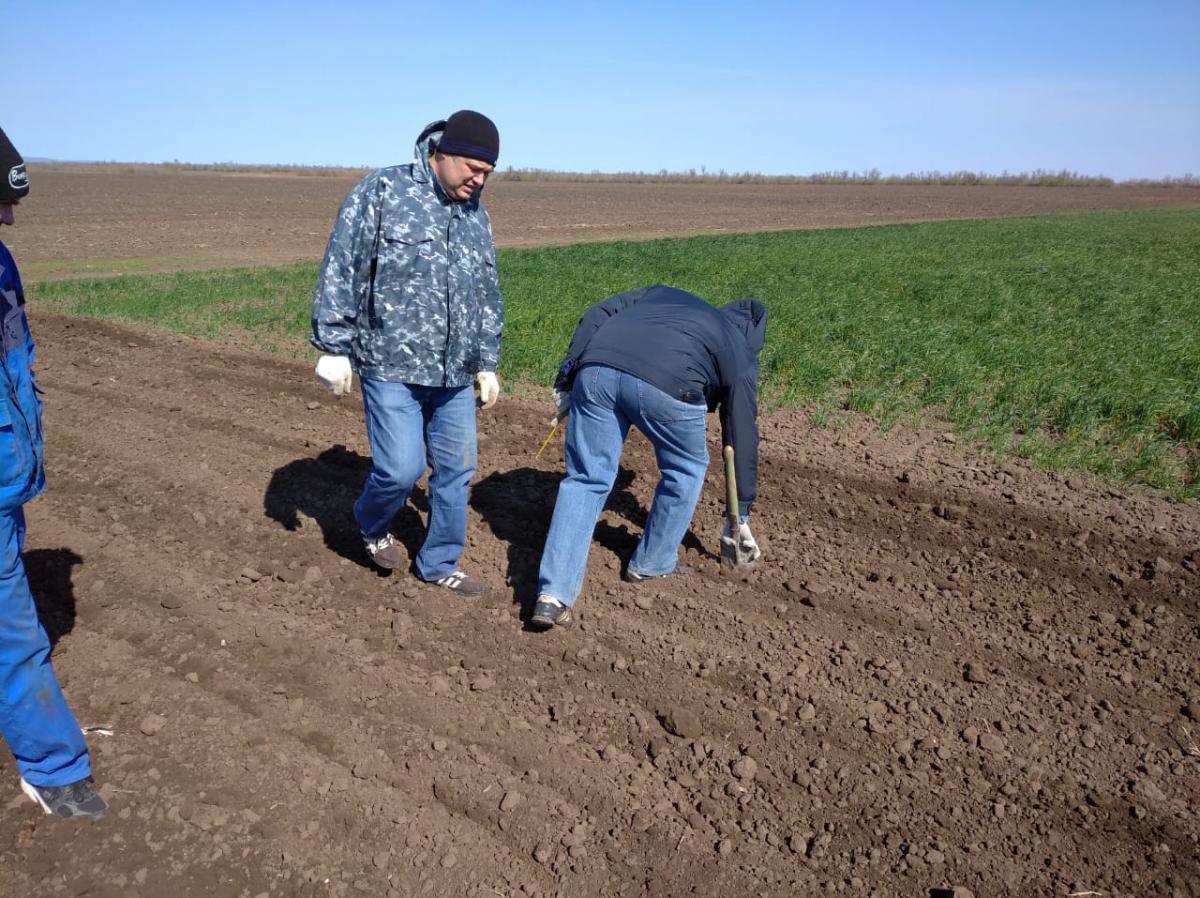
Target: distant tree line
1036	178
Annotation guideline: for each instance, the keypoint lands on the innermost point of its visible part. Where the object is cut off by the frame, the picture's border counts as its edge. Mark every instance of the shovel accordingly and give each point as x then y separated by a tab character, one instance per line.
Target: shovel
733	555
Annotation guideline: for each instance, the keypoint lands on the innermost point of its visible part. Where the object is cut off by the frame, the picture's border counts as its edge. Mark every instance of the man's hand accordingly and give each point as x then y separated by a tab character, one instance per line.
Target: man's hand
489	388
334	372
744	542
562	405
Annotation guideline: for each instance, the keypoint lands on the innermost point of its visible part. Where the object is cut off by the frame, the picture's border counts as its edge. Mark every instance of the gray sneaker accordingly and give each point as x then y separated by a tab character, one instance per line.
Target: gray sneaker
384	551
463	584
78	799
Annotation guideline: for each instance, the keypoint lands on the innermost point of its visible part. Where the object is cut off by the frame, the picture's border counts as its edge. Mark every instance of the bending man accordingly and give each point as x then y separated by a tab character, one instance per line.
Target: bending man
657	359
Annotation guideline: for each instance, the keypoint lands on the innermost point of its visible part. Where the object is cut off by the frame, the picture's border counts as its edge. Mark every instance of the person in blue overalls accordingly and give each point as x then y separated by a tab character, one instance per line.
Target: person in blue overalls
41	732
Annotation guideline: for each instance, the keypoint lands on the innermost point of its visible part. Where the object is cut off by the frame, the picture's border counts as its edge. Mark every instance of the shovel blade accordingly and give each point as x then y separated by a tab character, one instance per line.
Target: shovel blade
734	557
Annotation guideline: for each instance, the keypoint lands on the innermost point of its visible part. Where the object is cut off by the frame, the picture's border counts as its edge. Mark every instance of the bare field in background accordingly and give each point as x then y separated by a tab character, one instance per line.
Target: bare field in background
79	221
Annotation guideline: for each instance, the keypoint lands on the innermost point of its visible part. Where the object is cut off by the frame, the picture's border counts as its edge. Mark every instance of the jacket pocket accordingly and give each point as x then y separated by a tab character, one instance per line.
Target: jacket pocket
16	456
404	258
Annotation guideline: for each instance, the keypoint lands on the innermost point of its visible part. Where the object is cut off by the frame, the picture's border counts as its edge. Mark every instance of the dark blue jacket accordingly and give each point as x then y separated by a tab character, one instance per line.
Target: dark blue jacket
22	475
688	349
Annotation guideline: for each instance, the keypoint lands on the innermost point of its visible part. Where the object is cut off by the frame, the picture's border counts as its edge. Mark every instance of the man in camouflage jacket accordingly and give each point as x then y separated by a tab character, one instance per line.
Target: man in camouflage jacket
408	297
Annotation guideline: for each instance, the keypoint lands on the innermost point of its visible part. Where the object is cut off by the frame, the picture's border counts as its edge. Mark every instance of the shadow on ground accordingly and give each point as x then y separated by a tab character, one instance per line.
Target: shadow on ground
517	506
50	580
324	488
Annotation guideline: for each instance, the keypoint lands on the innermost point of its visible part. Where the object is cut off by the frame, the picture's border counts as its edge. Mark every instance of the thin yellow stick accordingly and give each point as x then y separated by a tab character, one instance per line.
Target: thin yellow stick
546	441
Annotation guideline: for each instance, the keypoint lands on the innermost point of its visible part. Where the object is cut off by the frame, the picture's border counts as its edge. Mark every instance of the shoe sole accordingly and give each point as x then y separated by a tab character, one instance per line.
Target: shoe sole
463	593
383	564
544	623
634	577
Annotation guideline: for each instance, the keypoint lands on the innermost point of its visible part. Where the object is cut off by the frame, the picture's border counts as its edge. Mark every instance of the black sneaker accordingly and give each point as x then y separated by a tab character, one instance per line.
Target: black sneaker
75	800
550	612
632	576
463	584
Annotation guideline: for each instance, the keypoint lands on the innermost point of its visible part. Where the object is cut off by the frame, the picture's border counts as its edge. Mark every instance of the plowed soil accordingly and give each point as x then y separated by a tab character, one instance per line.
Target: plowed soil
946	673
78	221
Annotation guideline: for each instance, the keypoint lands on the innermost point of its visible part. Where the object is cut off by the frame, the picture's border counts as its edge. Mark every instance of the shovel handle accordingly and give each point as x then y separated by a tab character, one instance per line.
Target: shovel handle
546	441
731	498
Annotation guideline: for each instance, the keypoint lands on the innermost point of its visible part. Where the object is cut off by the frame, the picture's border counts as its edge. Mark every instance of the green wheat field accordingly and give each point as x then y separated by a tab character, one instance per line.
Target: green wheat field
1070	340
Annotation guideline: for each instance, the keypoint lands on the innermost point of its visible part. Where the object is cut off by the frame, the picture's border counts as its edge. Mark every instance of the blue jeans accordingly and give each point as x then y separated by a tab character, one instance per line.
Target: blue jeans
410	427
34	718
604	403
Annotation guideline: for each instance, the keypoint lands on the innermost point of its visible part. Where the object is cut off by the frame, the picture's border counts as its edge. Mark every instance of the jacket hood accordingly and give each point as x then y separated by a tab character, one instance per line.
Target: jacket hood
749	316
429	138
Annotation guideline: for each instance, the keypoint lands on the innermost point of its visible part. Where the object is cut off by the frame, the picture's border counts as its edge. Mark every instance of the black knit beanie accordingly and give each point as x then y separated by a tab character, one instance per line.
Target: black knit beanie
471	134
14	180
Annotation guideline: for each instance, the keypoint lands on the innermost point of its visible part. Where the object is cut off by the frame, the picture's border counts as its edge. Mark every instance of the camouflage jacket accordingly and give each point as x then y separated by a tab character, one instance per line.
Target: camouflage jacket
408	287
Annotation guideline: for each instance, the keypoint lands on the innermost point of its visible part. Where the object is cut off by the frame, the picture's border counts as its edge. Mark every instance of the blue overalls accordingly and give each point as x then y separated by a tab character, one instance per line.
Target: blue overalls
34	718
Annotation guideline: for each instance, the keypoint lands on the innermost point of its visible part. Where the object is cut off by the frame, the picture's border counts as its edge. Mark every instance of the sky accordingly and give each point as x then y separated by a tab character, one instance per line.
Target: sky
1099	87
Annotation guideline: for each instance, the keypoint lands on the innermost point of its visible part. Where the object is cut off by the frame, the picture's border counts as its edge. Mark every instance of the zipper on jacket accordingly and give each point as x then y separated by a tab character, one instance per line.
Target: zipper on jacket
446	347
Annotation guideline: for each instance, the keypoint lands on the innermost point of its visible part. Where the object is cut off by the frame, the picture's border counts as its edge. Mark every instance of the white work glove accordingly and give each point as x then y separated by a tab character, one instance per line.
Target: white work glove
562	405
334	373
489	388
747	545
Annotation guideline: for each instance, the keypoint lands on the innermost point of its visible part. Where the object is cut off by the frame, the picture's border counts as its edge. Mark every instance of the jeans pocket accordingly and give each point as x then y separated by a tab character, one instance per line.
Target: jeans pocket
664	409
588	385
